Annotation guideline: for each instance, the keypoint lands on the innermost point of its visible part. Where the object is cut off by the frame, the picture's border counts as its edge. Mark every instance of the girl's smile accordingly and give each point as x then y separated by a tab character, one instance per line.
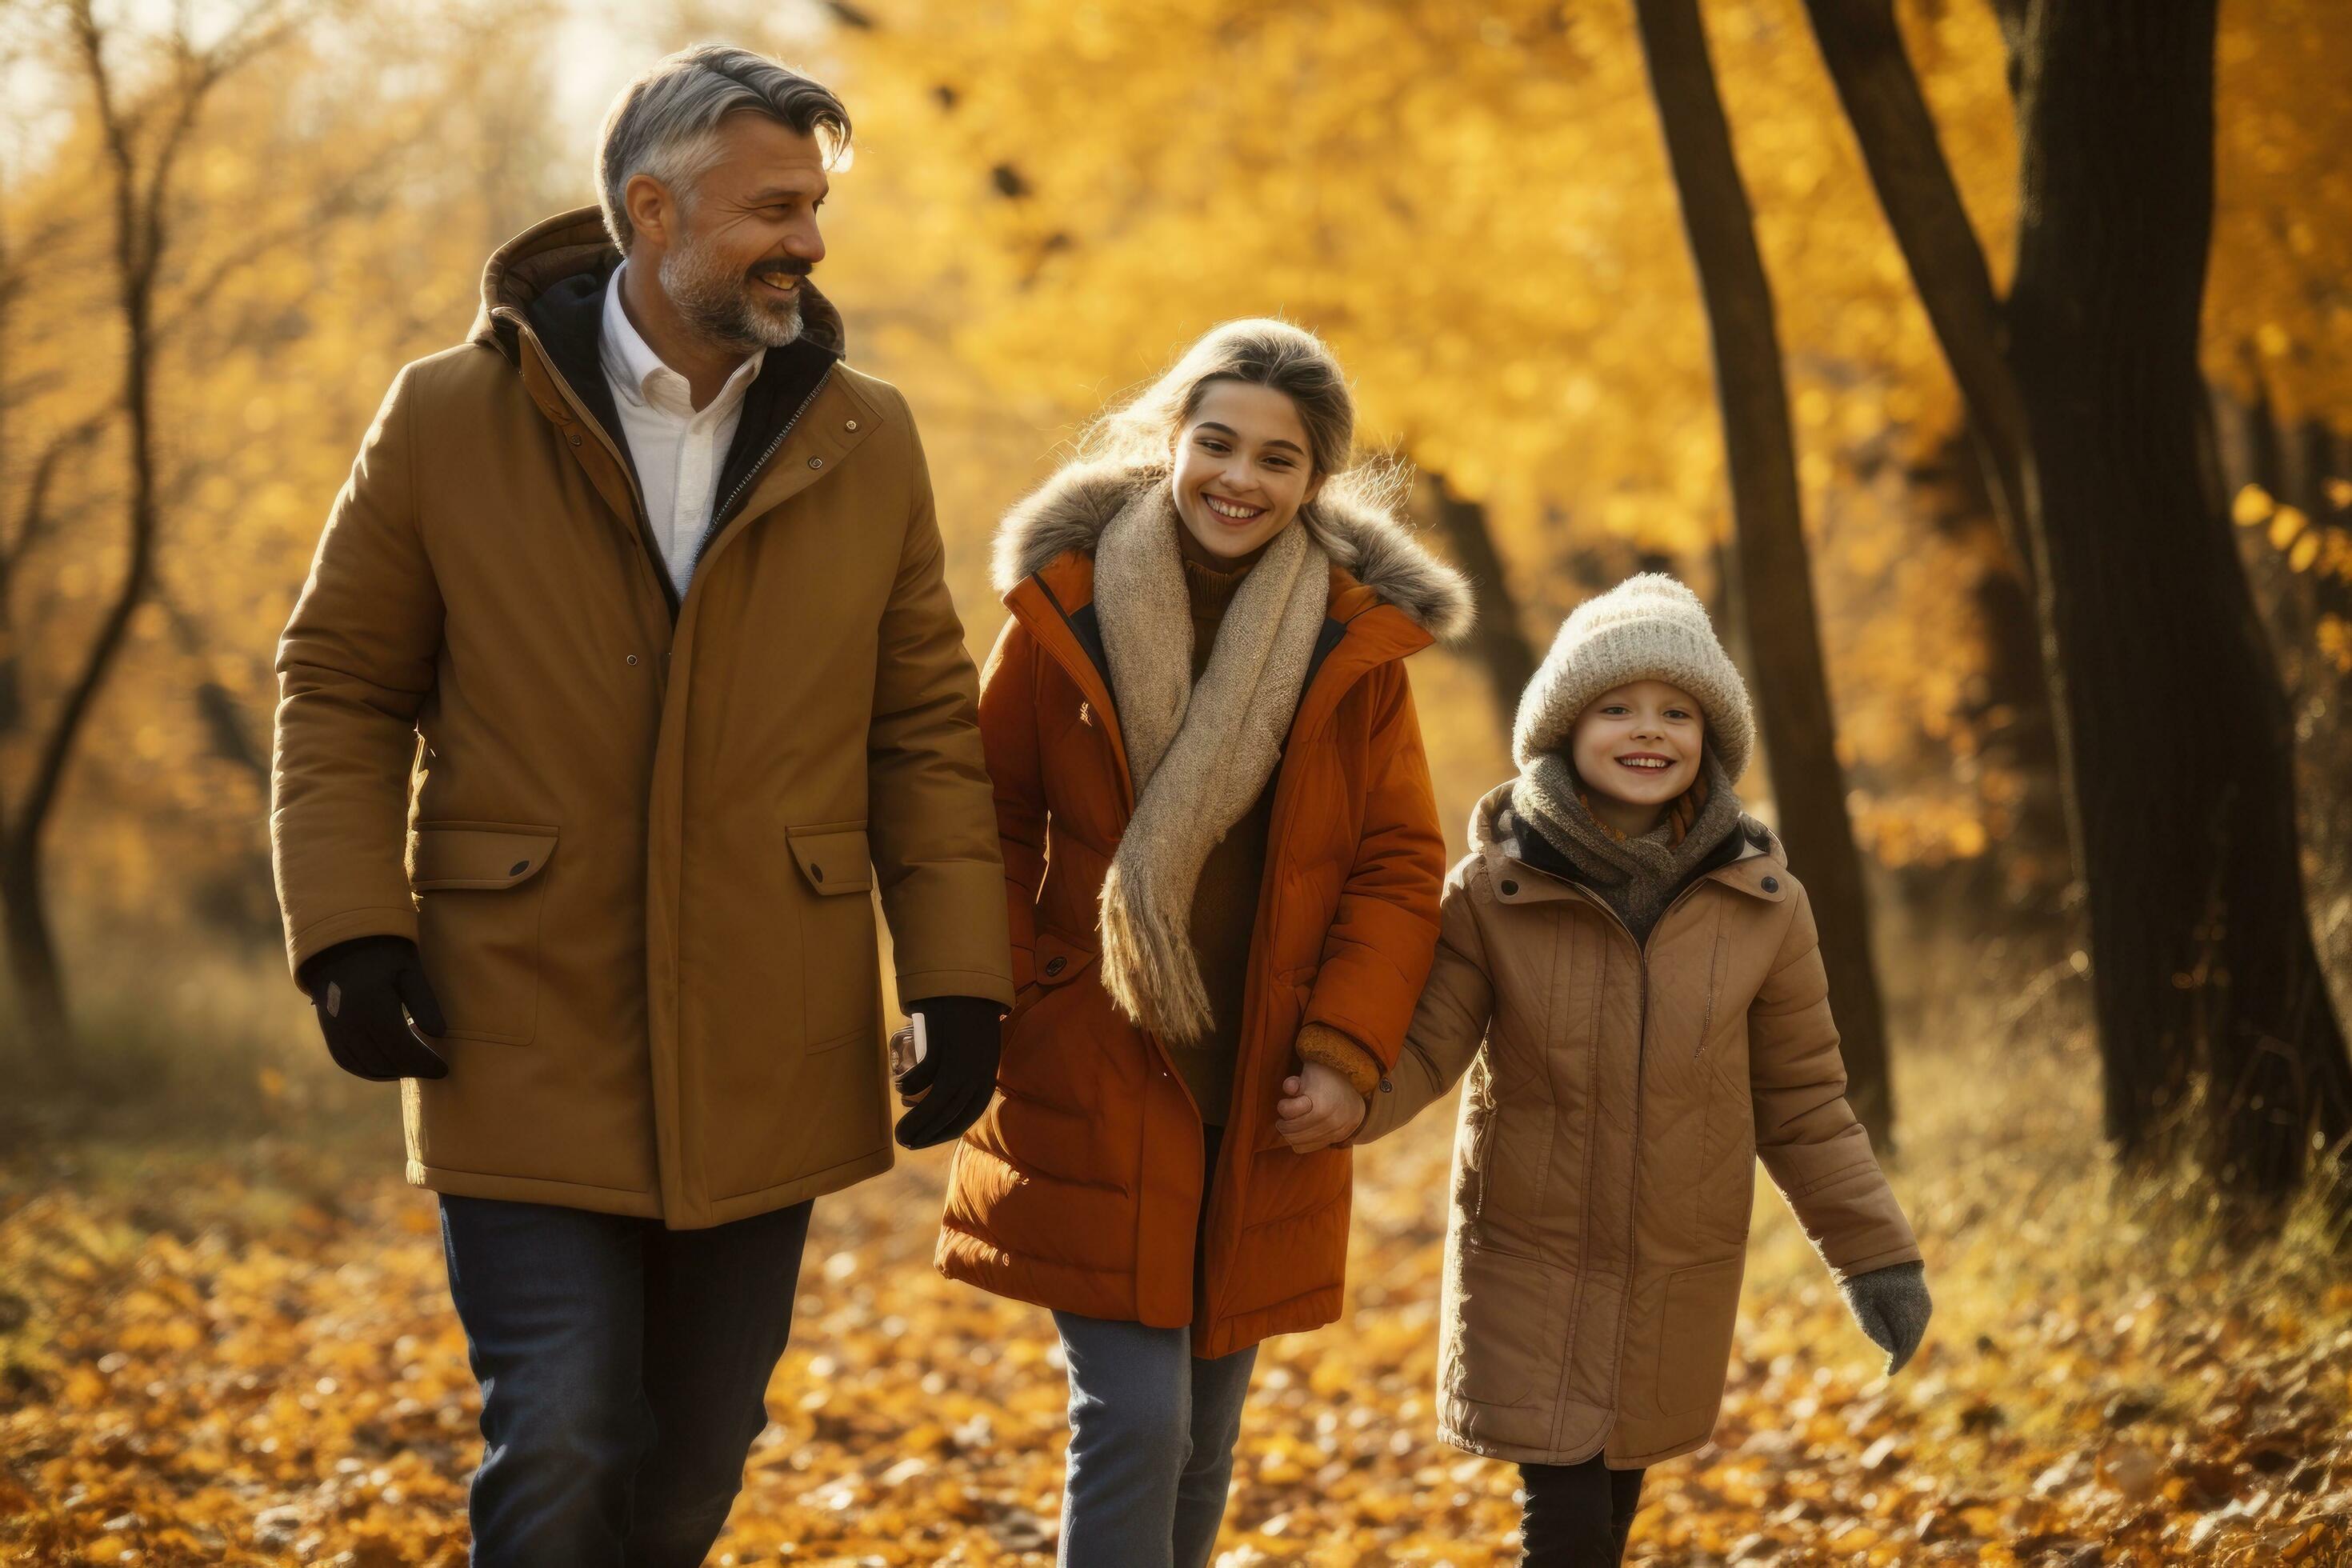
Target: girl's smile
1241	469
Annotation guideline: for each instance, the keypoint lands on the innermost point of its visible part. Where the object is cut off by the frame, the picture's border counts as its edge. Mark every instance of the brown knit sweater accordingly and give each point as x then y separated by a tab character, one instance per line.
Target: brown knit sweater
1224	902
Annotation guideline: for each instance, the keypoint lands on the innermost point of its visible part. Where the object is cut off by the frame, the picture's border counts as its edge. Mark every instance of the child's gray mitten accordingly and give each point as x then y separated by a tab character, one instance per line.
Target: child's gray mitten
1892	1306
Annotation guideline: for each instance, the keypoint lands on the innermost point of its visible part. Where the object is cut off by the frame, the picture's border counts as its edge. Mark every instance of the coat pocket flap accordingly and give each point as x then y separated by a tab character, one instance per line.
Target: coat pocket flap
1060	959
443	855
835	859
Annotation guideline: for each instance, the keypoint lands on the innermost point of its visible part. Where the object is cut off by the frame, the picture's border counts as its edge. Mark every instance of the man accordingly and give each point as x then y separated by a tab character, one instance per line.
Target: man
631	624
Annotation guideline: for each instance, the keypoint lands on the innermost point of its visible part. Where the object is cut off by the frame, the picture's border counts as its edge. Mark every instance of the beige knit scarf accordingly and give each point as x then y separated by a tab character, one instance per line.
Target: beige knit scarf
1200	754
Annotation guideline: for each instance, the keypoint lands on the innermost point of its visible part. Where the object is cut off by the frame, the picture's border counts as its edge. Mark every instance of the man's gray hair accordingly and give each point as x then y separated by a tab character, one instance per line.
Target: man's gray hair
665	122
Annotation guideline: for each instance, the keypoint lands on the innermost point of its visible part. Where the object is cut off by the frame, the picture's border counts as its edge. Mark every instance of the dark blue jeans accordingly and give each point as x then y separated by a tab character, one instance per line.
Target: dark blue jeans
623	1371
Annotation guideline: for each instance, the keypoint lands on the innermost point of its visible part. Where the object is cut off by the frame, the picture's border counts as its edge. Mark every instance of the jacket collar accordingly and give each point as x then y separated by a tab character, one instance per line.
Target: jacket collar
1389	597
549	283
1057	604
573	245
546	288
568	322
1750	860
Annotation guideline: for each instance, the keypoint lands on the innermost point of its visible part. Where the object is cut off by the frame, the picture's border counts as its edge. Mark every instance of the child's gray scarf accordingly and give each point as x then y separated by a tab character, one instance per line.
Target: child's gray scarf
1638	876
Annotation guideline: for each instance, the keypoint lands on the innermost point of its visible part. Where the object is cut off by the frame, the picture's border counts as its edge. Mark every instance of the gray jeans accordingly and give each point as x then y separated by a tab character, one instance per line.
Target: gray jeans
1151	1444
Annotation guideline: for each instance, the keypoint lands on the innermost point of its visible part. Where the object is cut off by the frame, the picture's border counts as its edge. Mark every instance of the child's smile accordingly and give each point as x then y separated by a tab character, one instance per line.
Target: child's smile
1637	748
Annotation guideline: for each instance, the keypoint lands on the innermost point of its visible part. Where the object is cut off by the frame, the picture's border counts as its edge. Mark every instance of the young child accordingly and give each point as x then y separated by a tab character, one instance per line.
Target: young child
1633	980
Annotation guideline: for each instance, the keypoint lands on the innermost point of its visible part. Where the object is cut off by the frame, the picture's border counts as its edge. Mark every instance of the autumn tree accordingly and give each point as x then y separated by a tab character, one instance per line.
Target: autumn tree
207	275
143	133
1452	198
1775	580
2175	736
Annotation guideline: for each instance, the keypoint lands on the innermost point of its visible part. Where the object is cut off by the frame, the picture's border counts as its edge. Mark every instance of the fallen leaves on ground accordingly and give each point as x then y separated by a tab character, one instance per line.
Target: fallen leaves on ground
249	1358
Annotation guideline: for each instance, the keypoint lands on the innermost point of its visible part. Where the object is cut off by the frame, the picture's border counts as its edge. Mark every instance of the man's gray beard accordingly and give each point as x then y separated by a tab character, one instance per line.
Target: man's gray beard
718	301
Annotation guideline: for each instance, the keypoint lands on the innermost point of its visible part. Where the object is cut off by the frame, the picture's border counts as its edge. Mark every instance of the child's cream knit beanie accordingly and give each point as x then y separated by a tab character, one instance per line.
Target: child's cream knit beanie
1648	627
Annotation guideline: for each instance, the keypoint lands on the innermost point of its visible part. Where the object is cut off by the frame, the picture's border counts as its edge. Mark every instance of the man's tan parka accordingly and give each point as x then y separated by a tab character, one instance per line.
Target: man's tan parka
637	840
1604	1160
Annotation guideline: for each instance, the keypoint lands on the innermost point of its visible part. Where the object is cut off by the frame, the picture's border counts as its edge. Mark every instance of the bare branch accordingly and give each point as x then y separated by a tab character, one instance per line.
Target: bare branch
32	517
89	38
138	251
224	722
26	253
25	391
187	306
264	27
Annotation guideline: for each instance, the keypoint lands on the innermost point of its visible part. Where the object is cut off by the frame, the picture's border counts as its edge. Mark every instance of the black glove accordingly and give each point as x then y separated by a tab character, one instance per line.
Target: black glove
360	988
962	1036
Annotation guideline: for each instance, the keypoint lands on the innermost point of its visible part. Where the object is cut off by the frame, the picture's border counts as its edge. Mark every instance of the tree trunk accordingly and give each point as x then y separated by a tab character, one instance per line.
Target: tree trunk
1863	51
1775	582
1497	639
138	245
35	982
1862	48
2024	872
2175	731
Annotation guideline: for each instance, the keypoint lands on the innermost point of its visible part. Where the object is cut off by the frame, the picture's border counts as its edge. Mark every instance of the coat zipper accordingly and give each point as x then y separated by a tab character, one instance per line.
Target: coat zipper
1633	1176
718	516
1714	986
1208	1176
1268	891
658	570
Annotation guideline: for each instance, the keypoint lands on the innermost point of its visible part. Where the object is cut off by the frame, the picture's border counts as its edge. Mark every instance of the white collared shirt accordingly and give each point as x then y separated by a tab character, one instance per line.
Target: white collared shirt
677	449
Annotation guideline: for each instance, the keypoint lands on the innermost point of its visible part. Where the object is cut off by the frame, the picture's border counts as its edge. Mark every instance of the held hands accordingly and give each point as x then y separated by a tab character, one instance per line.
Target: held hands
1319	1107
1892	1306
951	1085
361	988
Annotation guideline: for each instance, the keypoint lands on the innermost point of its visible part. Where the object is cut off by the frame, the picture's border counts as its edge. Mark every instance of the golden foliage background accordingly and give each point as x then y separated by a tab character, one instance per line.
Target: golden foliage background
1471	204
242	1353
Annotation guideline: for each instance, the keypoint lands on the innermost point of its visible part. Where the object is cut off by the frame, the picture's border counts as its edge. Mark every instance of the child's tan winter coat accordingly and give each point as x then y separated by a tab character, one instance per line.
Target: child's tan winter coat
1604	1162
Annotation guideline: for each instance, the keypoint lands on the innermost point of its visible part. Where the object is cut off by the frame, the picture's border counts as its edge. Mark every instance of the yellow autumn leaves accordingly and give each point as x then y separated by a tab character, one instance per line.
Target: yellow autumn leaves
248	1356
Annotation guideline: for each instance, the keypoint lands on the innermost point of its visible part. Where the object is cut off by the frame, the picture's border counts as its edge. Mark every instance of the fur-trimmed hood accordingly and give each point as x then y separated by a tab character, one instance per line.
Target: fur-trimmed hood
1069	511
